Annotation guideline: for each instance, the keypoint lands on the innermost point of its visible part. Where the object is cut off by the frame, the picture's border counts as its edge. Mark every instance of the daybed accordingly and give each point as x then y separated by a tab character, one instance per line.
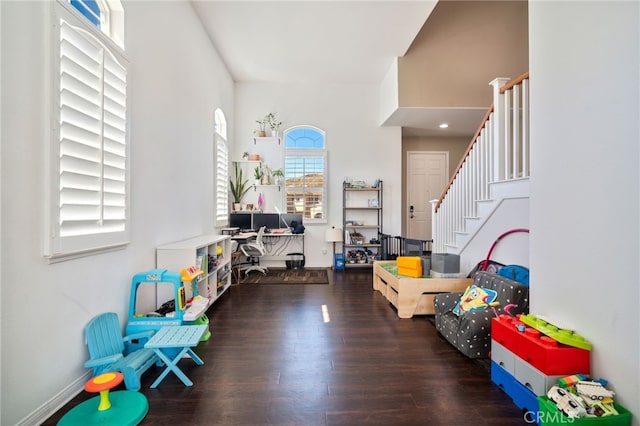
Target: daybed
412	296
470	332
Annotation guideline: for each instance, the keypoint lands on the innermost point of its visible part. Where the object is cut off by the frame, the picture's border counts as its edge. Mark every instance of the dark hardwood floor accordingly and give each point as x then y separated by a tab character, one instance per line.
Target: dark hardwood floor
272	360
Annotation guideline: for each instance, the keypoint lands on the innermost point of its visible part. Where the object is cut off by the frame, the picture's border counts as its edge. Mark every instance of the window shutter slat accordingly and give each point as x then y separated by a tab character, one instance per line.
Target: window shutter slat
92	136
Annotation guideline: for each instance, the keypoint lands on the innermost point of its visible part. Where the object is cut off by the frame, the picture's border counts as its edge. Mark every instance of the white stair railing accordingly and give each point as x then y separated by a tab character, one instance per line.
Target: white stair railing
499	151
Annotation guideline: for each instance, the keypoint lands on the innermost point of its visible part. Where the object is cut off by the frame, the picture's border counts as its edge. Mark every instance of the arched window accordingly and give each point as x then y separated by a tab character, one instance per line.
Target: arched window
106	15
222	168
305	167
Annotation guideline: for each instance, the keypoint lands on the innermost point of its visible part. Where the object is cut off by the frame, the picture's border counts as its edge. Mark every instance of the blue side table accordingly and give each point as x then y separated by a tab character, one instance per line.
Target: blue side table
171	338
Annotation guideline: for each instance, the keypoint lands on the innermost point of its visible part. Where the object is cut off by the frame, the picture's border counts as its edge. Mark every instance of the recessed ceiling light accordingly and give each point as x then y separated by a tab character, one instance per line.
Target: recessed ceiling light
444	125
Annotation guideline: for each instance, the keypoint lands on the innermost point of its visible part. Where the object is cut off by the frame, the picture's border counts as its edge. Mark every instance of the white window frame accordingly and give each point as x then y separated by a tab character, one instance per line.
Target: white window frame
97	194
307	152
221	148
111	19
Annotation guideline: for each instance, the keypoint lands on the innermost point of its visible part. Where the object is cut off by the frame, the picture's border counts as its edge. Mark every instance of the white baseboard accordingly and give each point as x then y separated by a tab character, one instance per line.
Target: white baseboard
47	409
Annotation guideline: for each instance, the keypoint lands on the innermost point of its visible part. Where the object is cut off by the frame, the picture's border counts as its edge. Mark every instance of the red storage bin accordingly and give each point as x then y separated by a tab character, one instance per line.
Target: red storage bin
542	352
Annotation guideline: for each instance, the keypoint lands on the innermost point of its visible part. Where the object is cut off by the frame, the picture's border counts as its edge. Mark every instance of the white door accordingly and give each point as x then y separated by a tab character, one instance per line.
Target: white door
427	175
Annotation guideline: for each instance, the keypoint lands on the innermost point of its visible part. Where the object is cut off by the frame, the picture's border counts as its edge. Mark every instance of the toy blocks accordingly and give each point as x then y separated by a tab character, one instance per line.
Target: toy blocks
409	266
542	352
567	337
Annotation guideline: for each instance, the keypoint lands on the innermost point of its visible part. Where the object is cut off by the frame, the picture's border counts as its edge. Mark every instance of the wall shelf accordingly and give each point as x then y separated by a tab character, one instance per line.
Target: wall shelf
266	139
255	187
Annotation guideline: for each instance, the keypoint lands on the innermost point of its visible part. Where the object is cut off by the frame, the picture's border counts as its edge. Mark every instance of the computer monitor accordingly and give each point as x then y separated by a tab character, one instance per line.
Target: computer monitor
287	218
240	220
269	220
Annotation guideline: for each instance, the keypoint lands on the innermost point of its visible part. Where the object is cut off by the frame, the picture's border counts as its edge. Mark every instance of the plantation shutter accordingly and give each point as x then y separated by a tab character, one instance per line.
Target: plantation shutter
92	137
222	181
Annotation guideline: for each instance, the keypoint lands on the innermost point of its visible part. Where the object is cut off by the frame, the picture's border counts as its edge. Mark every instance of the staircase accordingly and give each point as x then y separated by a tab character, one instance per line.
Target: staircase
489	192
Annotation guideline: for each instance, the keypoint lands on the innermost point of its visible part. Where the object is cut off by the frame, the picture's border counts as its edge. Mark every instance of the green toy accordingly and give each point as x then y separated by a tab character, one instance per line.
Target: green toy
567	337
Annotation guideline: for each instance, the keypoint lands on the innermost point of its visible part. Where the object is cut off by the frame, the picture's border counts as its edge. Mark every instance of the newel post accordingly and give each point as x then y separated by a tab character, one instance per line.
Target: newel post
435	221
498	144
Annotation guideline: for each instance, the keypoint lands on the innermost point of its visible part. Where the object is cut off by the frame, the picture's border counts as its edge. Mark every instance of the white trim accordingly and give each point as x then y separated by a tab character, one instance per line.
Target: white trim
56	403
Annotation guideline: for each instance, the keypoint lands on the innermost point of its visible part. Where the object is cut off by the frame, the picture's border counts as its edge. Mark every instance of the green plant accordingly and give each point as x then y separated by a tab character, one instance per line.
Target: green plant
262	124
239	186
257	172
273	123
270	121
277	173
245	155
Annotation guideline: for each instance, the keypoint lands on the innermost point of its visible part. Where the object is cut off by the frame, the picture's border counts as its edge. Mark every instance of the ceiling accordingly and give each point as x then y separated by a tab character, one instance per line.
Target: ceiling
329	42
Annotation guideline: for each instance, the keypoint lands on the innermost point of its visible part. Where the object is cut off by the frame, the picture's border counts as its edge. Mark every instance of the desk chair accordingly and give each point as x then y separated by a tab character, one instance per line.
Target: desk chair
254	251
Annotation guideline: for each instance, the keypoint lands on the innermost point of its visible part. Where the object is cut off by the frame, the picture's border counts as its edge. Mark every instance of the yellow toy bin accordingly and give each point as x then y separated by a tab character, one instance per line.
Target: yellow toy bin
409	266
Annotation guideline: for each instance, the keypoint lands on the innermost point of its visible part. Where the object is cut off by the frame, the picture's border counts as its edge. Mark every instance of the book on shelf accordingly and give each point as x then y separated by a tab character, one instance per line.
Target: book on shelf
202	262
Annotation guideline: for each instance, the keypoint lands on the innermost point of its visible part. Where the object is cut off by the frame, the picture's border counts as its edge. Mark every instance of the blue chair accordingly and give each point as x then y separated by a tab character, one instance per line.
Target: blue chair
107	350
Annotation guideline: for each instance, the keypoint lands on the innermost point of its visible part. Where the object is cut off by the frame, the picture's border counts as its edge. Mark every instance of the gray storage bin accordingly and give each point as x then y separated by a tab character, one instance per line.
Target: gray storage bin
426	265
446	263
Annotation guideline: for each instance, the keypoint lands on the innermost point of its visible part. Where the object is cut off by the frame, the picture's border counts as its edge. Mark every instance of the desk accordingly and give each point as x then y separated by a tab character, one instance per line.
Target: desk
243	237
177	337
278	245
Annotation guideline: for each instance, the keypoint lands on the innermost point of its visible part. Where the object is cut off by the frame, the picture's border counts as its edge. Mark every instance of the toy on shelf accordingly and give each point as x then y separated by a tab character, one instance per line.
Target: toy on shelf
190	275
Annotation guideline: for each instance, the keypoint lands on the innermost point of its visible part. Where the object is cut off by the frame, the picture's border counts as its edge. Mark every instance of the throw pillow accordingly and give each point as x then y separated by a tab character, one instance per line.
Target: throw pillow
475	298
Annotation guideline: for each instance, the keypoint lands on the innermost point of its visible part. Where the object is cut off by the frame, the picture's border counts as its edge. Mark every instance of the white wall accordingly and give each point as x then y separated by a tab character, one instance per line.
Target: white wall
585	185
357	146
513	249
177	80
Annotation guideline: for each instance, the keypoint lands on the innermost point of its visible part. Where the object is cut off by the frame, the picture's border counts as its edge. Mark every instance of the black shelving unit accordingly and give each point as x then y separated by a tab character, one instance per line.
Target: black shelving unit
362	223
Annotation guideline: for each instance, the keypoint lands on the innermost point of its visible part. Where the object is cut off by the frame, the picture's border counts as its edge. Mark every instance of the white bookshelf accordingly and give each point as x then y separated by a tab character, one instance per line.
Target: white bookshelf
217	272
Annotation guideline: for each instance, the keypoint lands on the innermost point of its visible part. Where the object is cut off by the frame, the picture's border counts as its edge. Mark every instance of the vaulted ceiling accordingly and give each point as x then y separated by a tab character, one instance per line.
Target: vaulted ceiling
312	41
352	42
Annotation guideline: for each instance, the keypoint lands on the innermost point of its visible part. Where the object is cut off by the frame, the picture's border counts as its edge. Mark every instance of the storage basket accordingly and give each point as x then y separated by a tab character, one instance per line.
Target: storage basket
357	238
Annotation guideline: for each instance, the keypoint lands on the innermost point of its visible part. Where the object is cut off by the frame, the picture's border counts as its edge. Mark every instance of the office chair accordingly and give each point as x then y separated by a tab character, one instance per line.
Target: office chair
254	251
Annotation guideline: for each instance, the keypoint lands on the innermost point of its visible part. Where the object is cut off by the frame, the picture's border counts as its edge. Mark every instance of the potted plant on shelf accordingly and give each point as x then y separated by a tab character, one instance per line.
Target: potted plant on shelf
257	174
262	126
278	174
239	188
245	156
274	125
